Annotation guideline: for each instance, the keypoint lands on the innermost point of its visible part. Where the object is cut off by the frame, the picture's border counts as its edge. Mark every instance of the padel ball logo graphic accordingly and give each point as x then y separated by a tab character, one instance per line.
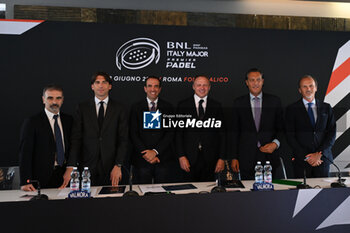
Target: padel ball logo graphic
137	54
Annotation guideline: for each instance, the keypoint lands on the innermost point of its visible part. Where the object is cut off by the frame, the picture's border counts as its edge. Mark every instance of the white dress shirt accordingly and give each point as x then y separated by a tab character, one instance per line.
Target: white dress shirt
204	104
105	102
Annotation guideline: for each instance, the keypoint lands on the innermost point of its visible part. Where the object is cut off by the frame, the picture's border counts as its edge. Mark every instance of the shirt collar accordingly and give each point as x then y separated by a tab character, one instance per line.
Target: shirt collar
252	96
97	100
307	102
197	98
149	101
50	114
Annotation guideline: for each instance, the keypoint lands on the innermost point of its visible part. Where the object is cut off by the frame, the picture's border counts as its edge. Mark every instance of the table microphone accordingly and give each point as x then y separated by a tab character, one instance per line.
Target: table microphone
39	196
304	185
339	183
130	193
219	188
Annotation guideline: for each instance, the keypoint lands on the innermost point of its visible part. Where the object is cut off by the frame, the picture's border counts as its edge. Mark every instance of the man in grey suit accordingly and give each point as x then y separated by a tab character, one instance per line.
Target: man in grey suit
100	134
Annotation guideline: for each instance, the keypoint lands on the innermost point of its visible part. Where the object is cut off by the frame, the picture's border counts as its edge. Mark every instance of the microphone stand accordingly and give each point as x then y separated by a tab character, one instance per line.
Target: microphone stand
39	196
219	188
130	193
339	183
304	185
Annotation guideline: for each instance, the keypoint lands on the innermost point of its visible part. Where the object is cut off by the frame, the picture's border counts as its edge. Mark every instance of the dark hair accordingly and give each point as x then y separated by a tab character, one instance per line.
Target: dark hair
253	70
52	87
103	74
307	76
153	77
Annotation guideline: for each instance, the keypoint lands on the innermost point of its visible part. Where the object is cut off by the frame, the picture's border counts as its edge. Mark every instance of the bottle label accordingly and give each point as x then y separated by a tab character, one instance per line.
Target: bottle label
262	186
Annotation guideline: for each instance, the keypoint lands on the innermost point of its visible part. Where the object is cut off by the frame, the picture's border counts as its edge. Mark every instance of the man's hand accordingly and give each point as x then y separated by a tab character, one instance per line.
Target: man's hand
28	187
184	164
314	159
155	160
268	148
220	166
116	175
235	165
66	177
149	155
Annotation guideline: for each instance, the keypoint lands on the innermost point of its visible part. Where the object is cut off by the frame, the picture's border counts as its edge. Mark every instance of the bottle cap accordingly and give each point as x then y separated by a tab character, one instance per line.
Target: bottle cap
86	168
267	162
258	162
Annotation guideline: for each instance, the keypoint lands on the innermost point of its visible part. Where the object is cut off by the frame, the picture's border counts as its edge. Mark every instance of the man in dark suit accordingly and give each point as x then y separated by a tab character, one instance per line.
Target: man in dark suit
100	134
201	151
44	144
153	157
256	127
310	128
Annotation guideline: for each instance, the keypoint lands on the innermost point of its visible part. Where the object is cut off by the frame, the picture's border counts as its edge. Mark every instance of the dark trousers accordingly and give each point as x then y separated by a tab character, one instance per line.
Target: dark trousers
248	173
311	172
56	179
155	173
201	171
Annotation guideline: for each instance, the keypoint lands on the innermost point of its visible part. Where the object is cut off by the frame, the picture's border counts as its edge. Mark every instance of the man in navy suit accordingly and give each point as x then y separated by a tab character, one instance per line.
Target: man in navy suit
310	128
201	151
100	134
44	144
256	127
154	156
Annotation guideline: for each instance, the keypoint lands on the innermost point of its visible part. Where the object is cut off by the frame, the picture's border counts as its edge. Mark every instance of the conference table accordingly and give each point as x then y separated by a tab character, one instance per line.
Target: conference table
286	209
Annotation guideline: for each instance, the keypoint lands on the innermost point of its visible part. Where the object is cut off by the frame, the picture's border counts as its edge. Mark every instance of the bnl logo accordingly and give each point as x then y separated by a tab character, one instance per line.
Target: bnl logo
151	120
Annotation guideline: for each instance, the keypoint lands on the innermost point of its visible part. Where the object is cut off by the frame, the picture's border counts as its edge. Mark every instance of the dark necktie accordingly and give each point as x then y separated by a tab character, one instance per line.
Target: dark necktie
201	110
310	112
59	143
101	115
153	108
257	112
257	115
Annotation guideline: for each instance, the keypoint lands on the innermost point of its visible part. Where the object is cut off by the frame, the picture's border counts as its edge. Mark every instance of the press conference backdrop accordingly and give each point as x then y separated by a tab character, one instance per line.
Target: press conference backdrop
37	53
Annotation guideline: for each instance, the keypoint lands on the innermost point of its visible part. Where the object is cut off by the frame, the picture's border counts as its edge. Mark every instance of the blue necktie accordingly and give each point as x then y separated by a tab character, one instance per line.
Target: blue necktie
59	143
310	112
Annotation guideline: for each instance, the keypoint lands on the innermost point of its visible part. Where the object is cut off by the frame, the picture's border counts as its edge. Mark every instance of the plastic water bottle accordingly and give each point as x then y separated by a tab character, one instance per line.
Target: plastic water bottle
268	172
74	181
85	180
259	172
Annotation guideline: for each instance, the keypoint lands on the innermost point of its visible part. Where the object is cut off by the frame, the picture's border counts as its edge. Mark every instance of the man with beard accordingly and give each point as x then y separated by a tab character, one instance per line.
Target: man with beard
310	128
44	144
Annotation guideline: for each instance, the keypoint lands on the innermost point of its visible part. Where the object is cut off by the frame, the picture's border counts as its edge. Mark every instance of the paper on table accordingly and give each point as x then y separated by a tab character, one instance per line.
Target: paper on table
151	188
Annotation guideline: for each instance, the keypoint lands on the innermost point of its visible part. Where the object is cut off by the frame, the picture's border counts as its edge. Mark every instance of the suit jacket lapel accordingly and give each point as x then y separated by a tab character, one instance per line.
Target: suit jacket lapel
109	113
93	114
250	112
46	124
318	109
194	109
304	113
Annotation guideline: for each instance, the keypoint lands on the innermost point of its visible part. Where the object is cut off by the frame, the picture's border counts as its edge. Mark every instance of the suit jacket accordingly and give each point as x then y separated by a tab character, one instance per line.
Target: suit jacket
88	142
244	136
211	139
302	137
38	147
148	139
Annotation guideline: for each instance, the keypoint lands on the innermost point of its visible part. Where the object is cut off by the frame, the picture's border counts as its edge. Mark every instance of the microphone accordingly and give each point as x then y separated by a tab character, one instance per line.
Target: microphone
304	185
39	196
219	188
339	183
130	193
